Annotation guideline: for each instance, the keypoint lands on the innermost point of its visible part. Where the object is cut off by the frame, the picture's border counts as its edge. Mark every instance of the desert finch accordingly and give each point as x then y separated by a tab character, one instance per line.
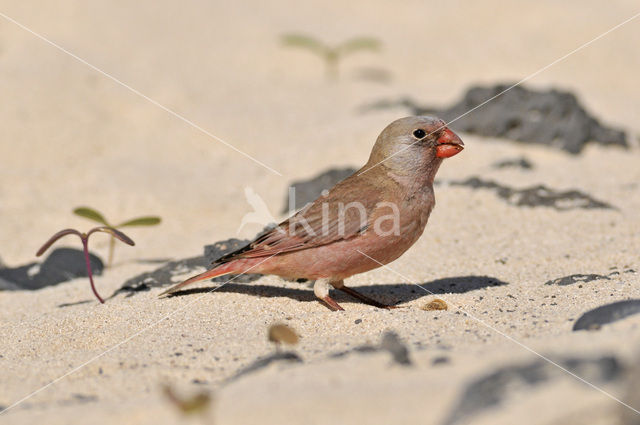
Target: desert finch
365	221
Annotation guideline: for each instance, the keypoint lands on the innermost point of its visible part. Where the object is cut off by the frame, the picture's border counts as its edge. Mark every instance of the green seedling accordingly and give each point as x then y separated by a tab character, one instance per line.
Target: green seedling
331	55
94	215
85	246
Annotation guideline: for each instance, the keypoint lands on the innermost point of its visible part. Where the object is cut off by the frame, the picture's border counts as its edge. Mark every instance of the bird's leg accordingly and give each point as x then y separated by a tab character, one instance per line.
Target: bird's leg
321	290
339	284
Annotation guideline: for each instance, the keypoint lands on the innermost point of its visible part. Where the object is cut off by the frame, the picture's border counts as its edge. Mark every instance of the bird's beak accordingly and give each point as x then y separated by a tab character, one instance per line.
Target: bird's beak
449	144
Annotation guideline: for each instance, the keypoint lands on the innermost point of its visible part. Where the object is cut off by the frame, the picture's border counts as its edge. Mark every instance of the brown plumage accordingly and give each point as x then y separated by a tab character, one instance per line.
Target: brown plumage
368	219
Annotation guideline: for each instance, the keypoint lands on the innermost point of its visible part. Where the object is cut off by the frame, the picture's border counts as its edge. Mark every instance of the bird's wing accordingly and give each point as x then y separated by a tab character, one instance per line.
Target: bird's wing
343	214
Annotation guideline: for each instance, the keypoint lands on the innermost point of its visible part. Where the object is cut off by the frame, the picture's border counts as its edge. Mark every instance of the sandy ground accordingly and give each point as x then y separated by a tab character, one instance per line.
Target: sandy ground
71	136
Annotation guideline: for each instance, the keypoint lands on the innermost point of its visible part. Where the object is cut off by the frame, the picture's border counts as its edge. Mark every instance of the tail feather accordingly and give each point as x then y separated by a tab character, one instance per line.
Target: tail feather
220	270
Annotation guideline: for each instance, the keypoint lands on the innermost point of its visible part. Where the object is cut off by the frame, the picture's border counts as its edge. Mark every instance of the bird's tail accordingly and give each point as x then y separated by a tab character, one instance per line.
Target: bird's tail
220	270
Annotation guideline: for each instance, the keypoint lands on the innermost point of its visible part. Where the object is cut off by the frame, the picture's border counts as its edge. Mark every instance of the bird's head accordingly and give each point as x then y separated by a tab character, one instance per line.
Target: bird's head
415	145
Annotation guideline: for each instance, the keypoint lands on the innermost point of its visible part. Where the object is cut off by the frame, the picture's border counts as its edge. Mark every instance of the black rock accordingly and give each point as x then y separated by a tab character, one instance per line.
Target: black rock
536	196
548	117
584	278
305	191
390	343
440	360
219	249
399	352
163	276
62	265
286	357
576	278
594	319
522	163
494	388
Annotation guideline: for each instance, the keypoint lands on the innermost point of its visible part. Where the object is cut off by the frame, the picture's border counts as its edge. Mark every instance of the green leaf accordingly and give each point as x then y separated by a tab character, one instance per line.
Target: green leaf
91	214
141	221
304	41
360	43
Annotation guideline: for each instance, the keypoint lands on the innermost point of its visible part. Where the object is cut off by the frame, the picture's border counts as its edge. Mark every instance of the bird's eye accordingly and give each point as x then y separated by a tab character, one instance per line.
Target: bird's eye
419	133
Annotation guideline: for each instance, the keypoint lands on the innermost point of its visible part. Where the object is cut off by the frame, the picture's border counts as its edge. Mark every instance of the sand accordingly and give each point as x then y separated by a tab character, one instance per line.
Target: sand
70	136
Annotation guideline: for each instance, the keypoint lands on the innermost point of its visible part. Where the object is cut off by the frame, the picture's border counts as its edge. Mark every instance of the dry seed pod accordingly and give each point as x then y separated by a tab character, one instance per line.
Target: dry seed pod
280	333
436	304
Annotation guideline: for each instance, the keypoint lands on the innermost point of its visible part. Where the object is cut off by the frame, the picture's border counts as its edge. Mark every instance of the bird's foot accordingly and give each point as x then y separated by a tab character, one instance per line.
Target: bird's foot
332	304
321	290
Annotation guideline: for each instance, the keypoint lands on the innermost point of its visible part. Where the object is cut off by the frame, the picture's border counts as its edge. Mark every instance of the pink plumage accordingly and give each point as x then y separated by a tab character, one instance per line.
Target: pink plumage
367	220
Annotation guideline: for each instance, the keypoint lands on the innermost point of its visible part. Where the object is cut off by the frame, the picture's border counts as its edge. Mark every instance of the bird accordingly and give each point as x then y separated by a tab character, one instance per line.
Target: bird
364	222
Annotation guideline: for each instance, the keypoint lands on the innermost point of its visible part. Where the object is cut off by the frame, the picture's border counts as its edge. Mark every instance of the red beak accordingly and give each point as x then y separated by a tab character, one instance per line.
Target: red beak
449	144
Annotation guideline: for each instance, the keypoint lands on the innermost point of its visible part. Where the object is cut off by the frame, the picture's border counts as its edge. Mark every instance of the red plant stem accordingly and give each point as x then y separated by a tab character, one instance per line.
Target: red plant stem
85	246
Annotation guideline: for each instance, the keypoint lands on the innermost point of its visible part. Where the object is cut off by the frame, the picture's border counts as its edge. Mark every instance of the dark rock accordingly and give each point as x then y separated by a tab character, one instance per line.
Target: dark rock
163	276
493	389
440	360
584	278
594	319
570	280
548	117
522	163
82	398
390	343
79	399
304	191
536	196
399	352
261	363
62	265
219	249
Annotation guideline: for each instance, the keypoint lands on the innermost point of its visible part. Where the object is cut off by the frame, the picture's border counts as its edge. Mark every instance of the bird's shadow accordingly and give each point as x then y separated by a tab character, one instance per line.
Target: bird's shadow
392	293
